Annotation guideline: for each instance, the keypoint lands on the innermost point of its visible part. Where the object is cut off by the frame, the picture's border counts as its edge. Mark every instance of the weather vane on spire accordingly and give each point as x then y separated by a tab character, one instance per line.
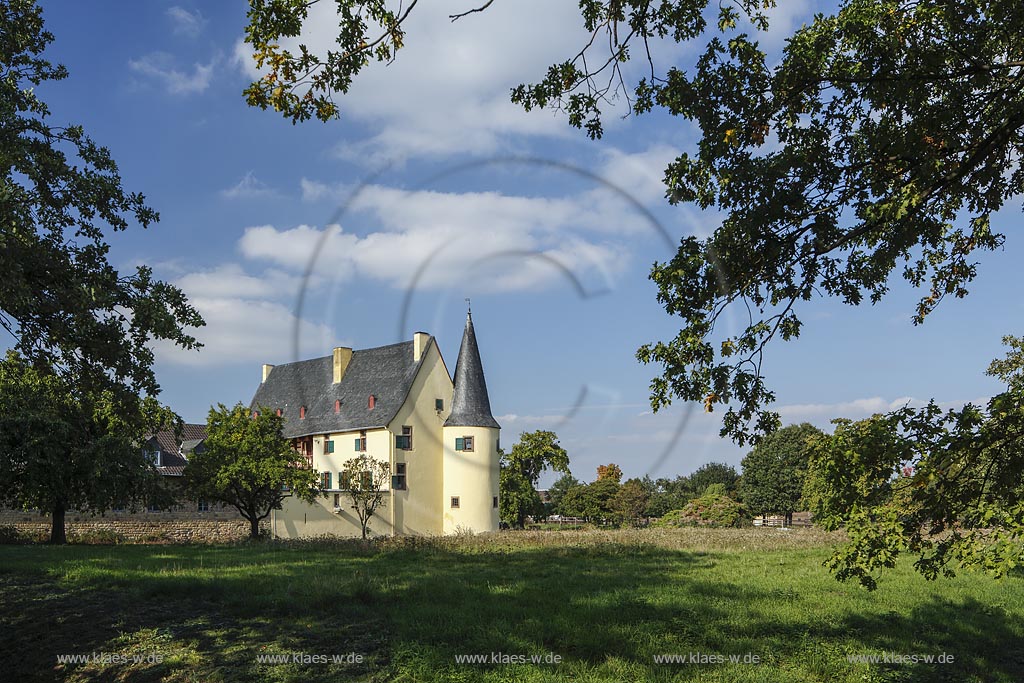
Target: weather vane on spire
469	309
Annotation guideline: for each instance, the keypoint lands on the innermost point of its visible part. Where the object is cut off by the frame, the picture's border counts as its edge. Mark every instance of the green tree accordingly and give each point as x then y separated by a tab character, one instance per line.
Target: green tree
774	471
518	500
630	501
668	495
520	471
944	486
559	489
63	448
364	478
60	299
884	135
714	473
601	494
247	463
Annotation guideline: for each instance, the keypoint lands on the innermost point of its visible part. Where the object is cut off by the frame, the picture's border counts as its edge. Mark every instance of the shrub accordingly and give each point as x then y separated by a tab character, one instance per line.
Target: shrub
10	534
712	509
96	537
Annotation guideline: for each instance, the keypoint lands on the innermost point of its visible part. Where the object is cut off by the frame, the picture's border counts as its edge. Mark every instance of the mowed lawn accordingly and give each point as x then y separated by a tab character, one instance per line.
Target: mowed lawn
606	603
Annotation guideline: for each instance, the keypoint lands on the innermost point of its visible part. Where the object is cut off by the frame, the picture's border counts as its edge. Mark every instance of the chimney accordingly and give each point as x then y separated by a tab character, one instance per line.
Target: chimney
419	345
342	357
266	371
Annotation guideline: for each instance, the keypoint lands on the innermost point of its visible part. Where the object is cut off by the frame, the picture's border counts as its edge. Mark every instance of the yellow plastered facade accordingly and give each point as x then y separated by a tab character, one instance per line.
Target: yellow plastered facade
422	508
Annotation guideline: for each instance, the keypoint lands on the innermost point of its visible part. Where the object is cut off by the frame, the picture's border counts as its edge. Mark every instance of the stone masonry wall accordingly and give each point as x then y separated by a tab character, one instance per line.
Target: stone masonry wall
219	525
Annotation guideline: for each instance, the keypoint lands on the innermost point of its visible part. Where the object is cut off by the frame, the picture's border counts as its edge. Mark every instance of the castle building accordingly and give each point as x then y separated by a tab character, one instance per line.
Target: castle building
397	404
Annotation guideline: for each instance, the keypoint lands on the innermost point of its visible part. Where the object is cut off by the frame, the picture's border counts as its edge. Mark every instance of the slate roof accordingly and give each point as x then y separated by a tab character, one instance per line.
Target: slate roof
387	372
470	405
172	463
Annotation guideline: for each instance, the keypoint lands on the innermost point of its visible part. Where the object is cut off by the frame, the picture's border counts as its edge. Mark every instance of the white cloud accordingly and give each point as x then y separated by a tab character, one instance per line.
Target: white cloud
639	174
860	408
160	67
493	241
249	187
247	331
186	23
229	280
448	90
313	190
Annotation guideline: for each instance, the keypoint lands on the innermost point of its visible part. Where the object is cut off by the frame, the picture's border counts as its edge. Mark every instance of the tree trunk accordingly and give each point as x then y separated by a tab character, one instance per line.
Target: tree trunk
254	527
789	519
58	533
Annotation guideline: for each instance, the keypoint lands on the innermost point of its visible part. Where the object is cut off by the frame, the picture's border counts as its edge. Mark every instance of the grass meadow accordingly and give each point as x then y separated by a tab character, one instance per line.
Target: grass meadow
607	604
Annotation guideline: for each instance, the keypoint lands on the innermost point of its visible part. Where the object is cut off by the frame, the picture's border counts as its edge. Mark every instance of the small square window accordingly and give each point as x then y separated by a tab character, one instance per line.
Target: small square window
467	443
438	404
404	441
455	501
328	446
203	506
398	479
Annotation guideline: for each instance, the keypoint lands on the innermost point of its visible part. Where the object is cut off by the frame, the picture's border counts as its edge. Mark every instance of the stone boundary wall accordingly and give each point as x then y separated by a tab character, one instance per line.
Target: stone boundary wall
156	527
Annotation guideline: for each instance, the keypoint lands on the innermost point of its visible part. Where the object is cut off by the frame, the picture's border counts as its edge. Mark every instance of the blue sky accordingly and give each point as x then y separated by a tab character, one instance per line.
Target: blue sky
419	197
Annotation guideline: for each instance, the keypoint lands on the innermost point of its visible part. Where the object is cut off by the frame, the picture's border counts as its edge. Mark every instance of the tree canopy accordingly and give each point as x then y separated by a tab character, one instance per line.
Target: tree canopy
944	486
63	303
64	449
520	472
880	140
714	473
774	471
364	480
248	464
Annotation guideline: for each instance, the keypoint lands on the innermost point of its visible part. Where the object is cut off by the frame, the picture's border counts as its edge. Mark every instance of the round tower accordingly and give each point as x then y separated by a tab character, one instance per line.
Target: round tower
470	434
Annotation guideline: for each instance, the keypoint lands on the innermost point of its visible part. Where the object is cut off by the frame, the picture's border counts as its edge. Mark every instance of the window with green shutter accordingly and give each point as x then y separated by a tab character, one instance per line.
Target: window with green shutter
404	440
328	446
325	480
460	443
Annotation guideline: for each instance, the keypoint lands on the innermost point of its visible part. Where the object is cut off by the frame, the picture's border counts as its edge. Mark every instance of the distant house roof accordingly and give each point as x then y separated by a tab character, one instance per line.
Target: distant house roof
171	461
385	372
470	405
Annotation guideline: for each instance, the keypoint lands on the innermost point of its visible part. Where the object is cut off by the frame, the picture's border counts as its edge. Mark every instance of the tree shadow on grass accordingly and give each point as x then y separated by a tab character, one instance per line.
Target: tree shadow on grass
605	611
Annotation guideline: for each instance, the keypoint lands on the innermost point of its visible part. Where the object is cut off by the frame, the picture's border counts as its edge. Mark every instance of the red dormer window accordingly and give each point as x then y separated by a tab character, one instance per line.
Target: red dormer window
371	402
337	406
302	412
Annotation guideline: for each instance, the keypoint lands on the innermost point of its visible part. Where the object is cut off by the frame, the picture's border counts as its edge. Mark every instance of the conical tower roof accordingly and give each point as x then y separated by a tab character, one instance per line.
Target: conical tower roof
470	405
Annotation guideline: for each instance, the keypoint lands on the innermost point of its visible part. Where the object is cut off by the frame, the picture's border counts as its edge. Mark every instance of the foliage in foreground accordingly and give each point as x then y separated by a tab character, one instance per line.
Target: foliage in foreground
62	302
944	486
